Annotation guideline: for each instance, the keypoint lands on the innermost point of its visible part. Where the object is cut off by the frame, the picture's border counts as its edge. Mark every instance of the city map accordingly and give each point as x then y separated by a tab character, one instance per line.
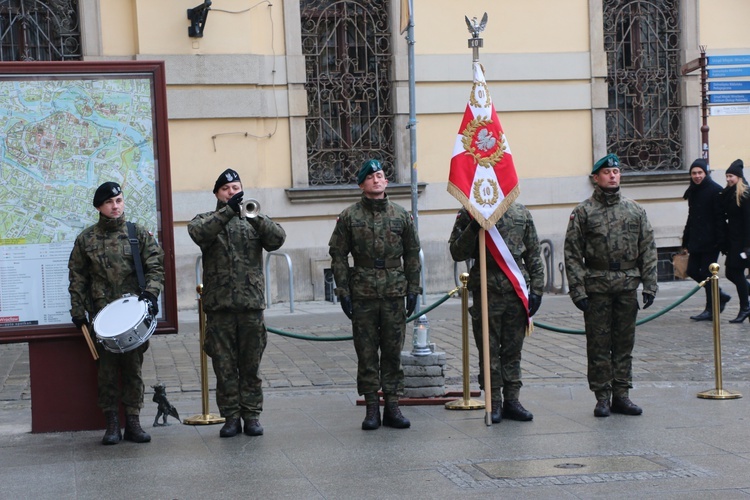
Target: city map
60	138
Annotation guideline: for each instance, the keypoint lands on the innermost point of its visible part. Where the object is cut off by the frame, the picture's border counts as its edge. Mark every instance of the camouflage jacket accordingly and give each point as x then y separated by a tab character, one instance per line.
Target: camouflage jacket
609	228
519	233
232	249
101	266
375	232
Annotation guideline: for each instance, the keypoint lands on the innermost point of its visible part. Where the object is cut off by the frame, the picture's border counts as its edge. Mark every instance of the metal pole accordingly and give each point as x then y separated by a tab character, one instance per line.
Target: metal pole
412	126
704	104
466	403
719	392
205	418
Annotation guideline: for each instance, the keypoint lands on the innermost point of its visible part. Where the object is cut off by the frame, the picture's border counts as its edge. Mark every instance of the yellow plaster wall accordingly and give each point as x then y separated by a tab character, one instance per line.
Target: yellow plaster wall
228	30
544	144
261	162
118	28
727	139
724	24
513	26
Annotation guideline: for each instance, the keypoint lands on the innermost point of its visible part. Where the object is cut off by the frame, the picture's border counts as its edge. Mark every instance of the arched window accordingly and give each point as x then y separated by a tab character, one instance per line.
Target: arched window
32	30
644	116
347	49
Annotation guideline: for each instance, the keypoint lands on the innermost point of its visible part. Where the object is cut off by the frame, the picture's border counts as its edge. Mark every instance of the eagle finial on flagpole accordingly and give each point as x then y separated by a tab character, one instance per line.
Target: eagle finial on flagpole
475	28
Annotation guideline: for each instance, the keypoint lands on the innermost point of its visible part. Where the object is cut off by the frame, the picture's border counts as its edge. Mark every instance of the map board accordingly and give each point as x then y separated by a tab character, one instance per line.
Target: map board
65	128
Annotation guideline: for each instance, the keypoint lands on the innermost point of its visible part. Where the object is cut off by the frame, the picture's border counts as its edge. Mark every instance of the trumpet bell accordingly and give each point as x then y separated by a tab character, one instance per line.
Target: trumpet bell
250	208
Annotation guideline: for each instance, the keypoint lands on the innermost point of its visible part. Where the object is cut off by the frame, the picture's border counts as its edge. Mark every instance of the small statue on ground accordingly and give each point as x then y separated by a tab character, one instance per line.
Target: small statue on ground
165	407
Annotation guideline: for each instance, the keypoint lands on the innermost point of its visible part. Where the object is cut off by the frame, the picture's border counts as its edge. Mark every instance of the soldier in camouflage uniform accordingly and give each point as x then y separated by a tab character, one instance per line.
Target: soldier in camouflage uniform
101	270
508	318
234	300
609	252
384	244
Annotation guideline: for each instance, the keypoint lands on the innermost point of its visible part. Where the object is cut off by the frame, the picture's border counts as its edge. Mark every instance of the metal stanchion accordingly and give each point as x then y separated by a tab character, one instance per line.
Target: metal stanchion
466	403
719	392
204	418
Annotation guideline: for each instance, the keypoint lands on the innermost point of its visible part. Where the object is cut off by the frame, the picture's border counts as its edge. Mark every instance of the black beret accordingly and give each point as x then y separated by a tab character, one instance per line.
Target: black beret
226	177
106	191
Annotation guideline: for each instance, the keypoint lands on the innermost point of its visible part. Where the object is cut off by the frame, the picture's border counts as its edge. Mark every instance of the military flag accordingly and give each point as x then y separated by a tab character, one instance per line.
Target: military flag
483	176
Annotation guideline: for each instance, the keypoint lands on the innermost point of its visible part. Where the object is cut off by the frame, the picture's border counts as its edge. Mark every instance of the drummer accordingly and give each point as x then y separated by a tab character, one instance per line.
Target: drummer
101	270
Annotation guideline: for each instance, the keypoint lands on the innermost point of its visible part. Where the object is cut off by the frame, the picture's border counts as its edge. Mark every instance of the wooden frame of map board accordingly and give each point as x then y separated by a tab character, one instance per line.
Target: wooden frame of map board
33	264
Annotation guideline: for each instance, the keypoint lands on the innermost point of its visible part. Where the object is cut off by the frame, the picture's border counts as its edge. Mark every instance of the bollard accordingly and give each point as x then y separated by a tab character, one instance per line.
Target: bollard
204	418
719	392
466	403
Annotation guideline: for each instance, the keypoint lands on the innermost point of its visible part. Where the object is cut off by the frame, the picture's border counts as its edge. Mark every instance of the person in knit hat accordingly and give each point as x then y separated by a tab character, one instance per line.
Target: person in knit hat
704	231
734	201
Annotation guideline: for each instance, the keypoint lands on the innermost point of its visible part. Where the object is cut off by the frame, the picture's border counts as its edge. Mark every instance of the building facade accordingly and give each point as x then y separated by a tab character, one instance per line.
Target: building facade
294	94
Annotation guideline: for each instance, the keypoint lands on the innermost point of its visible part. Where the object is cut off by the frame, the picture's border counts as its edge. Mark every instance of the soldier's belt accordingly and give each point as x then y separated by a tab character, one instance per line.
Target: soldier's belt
603	265
377	263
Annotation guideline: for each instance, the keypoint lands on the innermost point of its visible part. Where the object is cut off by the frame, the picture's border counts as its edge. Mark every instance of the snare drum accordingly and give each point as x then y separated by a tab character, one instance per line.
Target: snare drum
124	324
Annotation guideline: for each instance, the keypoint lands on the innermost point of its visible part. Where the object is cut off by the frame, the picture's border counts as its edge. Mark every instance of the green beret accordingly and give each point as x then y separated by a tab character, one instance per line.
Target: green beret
368	167
609	161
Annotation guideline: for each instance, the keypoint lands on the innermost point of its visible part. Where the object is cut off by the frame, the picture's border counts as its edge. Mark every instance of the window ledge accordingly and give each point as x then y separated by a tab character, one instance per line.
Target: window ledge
346	193
651	178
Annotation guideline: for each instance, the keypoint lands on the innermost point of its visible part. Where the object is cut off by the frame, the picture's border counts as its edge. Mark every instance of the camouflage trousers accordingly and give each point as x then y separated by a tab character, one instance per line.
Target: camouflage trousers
610	337
507	330
379	325
235	343
119	379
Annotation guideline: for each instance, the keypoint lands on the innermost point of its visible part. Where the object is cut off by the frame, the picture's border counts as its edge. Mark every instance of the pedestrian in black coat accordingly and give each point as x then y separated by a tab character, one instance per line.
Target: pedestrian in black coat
735	201
704	230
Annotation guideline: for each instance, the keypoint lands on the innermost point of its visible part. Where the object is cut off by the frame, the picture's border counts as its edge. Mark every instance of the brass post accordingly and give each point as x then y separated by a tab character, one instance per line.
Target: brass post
205	418
719	392
466	403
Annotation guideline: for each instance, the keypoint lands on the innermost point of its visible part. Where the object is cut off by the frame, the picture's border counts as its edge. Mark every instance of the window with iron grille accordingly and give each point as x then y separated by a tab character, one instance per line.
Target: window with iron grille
32	30
644	116
347	49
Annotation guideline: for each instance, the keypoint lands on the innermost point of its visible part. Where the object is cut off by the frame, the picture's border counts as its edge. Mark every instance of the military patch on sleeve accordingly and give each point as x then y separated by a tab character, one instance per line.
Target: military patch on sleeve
150	233
572	216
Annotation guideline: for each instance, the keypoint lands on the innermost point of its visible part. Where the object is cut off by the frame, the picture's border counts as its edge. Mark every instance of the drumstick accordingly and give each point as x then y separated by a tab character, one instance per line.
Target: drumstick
89	342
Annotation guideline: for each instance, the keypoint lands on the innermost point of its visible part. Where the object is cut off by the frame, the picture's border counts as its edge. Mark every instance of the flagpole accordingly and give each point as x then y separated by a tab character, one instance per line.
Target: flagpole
485	329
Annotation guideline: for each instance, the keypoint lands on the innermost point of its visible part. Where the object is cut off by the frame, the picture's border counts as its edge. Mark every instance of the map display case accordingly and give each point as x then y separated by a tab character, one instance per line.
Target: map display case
65	128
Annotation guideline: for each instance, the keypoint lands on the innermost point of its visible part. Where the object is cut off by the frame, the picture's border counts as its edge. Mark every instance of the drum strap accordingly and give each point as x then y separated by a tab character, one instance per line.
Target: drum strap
136	255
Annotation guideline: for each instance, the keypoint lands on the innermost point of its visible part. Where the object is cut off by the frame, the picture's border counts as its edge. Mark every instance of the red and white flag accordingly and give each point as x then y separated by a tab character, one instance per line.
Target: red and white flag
483	177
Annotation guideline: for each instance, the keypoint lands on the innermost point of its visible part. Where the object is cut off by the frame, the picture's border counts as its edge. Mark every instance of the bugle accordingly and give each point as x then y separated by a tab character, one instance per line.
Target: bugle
250	208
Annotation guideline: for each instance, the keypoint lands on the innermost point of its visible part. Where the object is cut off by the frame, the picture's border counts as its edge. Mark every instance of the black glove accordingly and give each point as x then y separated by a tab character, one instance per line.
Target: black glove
411	303
79	322
648	299
534	302
235	202
151	302
346	305
582	304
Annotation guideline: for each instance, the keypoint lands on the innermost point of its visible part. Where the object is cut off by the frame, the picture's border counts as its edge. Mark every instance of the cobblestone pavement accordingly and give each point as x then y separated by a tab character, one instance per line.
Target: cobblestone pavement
669	348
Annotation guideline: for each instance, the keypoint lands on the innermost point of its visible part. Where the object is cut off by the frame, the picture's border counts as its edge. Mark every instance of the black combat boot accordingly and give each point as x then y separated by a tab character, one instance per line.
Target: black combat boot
253	427
514	410
497	411
133	430
602	408
232	426
623	405
372	417
392	416
112	435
